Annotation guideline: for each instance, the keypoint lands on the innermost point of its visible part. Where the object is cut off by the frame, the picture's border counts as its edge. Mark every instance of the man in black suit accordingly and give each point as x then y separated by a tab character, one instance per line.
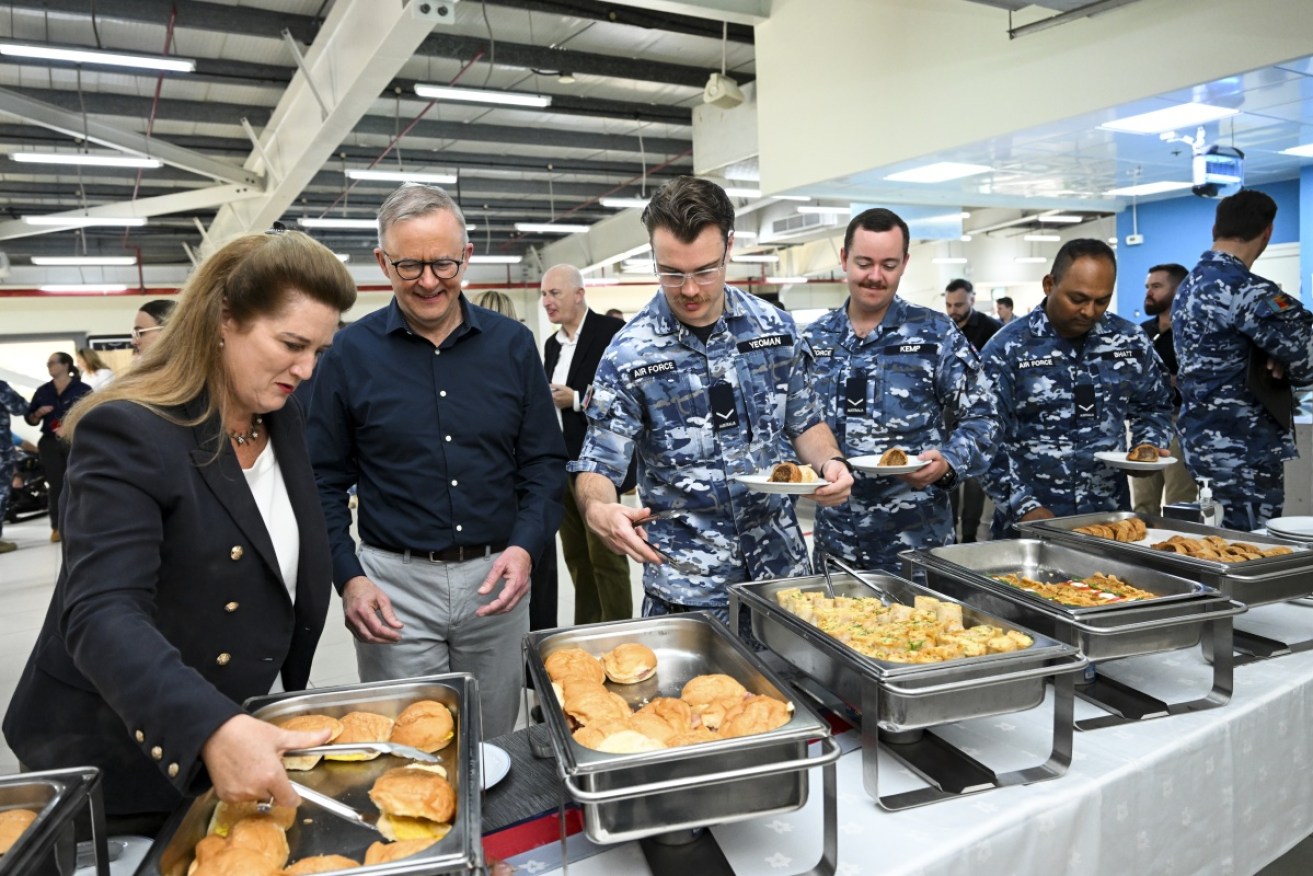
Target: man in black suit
960	304
571	356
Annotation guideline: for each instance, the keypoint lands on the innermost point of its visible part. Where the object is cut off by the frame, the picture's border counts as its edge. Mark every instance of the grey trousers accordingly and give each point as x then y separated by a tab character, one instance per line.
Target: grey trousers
436	602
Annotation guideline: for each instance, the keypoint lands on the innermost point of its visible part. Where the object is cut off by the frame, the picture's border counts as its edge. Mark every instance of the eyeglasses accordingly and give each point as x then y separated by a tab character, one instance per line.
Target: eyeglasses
705	277
138	332
413	269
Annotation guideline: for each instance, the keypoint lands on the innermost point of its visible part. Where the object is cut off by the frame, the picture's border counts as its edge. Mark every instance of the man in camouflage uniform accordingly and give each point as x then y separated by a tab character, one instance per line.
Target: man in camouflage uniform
1069	378
705	383
10	403
888	373
1225	316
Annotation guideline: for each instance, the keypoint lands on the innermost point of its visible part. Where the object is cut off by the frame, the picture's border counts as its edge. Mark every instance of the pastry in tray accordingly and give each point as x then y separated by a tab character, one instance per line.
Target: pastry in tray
1214	547
792	473
930	631
13	823
1131	529
1097	589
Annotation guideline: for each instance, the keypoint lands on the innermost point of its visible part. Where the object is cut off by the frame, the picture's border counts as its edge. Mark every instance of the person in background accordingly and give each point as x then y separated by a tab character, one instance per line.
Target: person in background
571	356
195	561
616	313
704	384
1242	343
1174	484
894	374
544	580
49	406
11	404
95	373
1003	307
1069	379
451	437
149	322
968	500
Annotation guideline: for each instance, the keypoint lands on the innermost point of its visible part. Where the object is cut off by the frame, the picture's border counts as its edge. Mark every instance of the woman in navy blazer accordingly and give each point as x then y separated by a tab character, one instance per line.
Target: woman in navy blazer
177	600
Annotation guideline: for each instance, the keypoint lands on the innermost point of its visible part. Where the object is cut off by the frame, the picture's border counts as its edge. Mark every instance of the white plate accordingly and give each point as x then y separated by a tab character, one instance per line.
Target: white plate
1291	527
496	764
1117	459
870	465
761	483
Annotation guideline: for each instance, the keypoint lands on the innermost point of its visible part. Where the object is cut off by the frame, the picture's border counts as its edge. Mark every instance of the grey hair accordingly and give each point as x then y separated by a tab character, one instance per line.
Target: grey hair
413	200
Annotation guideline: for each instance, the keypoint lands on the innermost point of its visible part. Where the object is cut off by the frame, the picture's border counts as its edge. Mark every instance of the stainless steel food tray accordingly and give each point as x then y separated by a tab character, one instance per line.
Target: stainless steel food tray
318	832
631	796
57	796
1263	581
901	700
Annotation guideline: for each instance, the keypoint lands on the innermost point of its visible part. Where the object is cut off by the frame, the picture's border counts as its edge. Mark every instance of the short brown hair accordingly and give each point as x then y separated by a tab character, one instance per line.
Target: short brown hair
686	205
1244	216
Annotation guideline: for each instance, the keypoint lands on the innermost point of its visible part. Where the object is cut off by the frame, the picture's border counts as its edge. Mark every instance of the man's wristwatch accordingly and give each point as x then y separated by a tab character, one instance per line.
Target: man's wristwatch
948	479
846	464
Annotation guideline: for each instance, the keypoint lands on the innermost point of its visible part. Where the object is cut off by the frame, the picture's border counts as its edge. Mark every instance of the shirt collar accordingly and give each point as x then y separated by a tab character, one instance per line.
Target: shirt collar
894	316
667	324
1040	325
469	320
560	332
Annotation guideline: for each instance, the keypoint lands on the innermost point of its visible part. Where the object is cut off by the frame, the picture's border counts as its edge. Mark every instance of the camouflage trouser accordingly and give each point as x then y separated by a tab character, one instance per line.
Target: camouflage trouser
6	481
1249	499
656	607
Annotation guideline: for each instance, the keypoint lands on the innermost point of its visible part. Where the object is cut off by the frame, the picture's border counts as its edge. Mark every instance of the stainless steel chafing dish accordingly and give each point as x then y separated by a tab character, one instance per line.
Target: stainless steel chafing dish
319	832
631	796
1175	618
57	796
900	699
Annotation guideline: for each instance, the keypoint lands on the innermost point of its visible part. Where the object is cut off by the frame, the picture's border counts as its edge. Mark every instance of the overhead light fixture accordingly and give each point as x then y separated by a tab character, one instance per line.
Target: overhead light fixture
95	56
85	159
1064	218
483	95
618	257
940	171
565	78
646	267
751	258
85	221
744	235
741	192
1154	188
601	281
339	224
83	261
496	260
1031	260
945	217
789	198
83	288
1183	115
549	228
966	238
1305	151
623	203
947	260
343	257
831	211
1042	238
785	281
722	91
440	179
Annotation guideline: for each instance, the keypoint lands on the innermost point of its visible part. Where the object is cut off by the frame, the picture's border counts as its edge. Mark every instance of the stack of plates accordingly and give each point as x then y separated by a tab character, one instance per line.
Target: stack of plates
1293	528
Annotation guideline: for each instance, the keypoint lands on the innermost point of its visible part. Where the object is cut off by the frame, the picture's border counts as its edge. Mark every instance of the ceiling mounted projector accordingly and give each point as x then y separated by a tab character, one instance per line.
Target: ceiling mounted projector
722	91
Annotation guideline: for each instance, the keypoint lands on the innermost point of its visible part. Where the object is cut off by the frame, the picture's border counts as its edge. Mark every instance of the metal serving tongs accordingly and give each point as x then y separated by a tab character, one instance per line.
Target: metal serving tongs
828	559
336	807
394	748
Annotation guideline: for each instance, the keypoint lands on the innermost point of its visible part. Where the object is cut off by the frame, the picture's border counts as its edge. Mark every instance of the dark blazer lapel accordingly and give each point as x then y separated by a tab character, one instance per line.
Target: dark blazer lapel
551	354
224	478
583	352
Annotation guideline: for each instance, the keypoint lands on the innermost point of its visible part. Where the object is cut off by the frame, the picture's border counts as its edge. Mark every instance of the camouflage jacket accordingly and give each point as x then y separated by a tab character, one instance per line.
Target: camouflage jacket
652	395
1059	403
895	388
10	403
1222	312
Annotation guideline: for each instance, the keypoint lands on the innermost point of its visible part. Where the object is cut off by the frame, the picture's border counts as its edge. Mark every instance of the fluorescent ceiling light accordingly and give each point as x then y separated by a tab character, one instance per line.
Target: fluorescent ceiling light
1064	218
623	203
601	281
83	261
748	258
966	238
1305	151
85	221
75	288
945	217
496	260
1170	118
1156	188
945	260
941	171
744	235
343	257
737	192
483	95
469	227
85	159
1042	238
831	211
790	198
1031	260
94	56
441	179
549	228
618	257
341	224
785	281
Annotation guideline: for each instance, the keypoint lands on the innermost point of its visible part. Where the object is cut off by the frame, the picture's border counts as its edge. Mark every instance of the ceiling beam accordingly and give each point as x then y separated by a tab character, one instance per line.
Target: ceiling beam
638	15
197	199
743	12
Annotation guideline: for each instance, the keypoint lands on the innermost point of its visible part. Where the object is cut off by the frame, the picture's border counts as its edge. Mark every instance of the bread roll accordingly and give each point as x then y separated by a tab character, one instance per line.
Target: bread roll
426	725
566	663
383	853
630	663
362	727
13	822
309	723
320	864
413	804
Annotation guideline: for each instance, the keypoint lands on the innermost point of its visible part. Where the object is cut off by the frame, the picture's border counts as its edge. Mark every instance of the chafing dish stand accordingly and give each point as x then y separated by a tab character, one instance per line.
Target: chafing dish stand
59	797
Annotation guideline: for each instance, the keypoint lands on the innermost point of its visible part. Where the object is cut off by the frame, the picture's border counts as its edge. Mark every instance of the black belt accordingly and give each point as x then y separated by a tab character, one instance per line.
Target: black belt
448	555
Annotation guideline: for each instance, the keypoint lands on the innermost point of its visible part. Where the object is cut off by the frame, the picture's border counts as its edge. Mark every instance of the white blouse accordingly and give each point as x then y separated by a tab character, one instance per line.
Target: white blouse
265	479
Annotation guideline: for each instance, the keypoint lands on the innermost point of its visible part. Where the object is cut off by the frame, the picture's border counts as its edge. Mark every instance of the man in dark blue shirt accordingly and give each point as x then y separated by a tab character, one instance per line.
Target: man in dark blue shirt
440	412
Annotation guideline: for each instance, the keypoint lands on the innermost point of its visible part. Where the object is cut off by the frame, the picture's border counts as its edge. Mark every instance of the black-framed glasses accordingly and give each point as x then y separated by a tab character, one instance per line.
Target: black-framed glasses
138	332
705	277
413	269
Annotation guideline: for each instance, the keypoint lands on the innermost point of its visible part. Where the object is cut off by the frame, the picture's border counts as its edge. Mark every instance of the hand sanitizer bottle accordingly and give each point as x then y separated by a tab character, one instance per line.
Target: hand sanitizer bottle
1210	510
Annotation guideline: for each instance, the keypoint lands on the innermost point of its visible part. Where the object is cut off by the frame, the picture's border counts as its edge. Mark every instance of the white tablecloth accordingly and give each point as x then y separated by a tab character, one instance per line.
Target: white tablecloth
1224	791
